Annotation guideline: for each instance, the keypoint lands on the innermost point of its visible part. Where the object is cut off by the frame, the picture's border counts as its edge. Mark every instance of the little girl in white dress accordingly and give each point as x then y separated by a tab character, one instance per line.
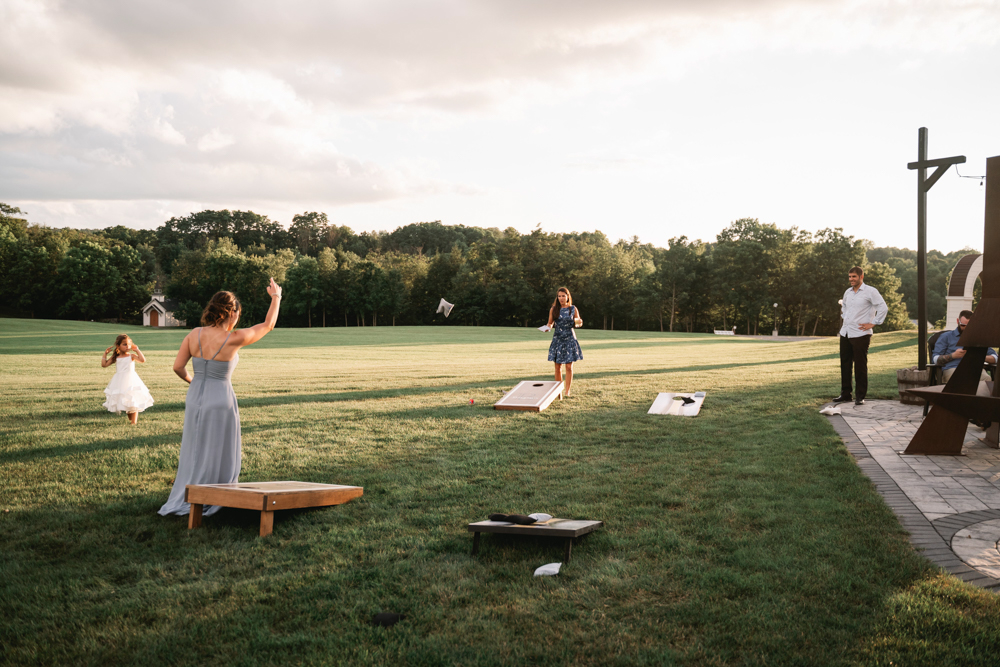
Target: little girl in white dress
126	392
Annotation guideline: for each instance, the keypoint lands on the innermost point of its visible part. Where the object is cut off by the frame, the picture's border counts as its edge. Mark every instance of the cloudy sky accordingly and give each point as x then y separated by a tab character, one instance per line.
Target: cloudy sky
648	118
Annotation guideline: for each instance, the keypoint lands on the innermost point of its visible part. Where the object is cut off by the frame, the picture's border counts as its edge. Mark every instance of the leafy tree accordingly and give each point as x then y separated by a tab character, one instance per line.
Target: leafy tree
17	227
473	284
326	264
431	238
309	231
824	271
511	299
363	243
221	266
402	272
394	300
188	280
699	306
246	229
437	284
939	268
303	287
87	281
744	267
28	271
496	278
674	275
96	282
339	286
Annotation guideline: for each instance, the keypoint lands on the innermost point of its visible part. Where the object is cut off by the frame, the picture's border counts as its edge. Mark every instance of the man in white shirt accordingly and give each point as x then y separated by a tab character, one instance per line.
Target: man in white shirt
862	308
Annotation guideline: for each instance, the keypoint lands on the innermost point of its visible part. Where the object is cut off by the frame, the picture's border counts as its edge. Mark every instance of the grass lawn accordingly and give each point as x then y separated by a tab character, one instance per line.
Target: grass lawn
744	536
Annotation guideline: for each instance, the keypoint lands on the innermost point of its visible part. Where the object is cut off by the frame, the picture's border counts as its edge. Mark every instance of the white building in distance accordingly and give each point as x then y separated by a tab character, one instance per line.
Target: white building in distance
159	312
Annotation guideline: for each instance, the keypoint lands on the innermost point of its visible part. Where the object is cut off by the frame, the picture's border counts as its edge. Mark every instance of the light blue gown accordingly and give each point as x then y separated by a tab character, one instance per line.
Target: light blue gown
210	445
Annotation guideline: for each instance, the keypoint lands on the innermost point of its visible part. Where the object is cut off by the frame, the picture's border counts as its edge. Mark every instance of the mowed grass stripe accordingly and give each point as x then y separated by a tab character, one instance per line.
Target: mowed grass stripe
744	536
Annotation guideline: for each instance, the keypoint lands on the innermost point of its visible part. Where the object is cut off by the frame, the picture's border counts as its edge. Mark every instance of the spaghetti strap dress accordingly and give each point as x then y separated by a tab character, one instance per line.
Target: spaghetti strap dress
564	349
211	446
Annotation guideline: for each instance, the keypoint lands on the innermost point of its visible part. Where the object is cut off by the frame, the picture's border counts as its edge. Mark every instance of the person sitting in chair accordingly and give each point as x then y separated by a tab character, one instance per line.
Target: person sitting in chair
948	353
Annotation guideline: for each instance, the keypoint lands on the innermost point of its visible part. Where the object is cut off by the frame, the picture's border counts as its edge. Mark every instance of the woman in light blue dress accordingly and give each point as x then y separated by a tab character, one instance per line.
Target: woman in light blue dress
565	349
210	444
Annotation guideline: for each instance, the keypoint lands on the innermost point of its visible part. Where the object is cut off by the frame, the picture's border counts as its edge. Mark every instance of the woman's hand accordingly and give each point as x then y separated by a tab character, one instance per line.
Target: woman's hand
274	289
108	351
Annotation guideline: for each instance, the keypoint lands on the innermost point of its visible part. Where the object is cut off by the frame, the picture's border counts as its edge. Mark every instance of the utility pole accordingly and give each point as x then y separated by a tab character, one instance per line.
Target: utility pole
923	185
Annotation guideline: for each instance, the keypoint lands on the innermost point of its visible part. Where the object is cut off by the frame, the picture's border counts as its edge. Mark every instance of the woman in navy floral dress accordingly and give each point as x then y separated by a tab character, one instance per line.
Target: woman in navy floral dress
564	350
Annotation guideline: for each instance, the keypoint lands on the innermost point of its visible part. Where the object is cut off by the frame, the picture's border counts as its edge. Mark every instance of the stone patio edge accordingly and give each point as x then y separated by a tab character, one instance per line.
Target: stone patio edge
931	539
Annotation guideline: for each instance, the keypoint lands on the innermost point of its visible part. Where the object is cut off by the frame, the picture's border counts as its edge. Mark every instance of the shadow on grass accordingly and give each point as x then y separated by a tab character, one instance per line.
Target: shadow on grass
121	444
134	441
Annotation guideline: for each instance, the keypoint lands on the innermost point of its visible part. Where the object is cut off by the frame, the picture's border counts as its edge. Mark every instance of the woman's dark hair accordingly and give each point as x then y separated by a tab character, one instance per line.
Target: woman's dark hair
220	307
554	311
118	341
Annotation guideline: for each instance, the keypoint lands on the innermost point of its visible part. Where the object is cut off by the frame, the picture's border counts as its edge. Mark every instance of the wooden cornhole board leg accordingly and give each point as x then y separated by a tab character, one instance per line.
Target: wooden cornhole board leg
194	517
266	523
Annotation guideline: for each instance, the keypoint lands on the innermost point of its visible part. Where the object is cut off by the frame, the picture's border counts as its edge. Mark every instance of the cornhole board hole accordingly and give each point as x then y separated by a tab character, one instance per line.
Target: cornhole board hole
568	529
268	497
671	404
531	395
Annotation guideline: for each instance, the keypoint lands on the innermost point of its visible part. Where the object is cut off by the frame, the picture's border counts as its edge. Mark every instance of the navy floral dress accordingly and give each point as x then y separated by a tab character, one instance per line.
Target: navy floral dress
565	349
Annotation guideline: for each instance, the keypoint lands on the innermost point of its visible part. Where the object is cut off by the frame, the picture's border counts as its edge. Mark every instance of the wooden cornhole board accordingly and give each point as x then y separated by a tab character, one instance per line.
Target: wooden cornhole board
267	497
668	404
565	528
531	395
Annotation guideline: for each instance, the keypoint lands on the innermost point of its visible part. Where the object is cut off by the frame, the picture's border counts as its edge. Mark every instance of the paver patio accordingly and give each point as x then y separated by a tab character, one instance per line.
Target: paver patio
949	504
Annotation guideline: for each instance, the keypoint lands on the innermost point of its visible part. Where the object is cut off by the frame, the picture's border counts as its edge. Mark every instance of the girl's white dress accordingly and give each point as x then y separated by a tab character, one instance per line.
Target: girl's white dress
126	392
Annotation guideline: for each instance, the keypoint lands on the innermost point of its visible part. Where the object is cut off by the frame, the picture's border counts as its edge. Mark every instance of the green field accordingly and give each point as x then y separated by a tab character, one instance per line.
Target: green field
744	536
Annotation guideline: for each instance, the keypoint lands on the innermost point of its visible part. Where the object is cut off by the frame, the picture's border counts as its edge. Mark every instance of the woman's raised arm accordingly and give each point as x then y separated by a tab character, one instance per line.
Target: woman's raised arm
258	331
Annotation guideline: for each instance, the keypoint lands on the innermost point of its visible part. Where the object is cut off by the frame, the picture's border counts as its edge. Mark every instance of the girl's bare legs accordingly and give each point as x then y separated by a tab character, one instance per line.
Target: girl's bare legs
133	418
569	377
558	372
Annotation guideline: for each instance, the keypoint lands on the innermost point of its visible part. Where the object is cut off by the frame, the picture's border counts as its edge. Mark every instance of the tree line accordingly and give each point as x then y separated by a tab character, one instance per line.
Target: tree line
333	276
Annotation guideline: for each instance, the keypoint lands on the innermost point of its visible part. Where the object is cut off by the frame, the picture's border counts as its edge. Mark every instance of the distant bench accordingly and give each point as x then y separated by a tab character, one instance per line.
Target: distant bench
724	332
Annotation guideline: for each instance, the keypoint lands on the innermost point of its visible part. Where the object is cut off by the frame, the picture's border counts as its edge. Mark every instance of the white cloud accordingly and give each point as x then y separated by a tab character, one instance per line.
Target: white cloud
215	140
108	157
165	132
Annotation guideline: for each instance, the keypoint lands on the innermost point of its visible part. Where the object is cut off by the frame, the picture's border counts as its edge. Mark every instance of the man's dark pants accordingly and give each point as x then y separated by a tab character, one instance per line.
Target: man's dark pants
854	352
